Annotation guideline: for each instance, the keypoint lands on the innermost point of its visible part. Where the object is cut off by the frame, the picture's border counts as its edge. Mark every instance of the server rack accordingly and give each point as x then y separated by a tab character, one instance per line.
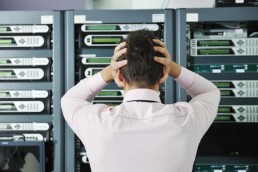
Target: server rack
85	55
212	42
31	55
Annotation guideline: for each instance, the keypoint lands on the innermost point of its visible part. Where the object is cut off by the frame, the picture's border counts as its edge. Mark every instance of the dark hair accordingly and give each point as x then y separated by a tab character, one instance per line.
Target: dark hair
141	69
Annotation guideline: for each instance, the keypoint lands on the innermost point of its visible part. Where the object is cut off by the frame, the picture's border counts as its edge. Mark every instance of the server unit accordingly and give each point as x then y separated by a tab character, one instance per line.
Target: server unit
222	46
30	88
91	38
235	3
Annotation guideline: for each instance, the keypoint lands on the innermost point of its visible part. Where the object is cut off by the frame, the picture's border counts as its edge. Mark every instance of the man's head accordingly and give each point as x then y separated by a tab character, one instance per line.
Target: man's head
141	70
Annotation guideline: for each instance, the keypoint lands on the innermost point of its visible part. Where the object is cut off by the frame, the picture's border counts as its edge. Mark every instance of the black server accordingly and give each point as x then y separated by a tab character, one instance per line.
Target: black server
91	37
221	44
31	124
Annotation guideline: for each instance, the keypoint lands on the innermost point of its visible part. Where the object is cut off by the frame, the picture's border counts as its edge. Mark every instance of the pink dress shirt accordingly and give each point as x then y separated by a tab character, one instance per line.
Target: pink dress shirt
141	136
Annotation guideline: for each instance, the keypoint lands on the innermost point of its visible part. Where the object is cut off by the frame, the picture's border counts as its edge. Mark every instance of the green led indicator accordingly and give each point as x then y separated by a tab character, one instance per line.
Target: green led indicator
214	43
3	94
223	109
5	74
106	40
94	71
101	27
108	93
3	61
224	93
215	51
222	84
234	153
5	107
98	60
3	29
222	118
5	41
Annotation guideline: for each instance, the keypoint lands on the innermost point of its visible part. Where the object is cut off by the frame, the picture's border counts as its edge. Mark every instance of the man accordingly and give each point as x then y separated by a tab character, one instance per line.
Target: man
141	134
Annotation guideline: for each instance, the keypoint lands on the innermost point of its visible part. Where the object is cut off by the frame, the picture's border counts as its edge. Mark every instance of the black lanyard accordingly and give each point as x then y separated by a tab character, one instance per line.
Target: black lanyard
149	101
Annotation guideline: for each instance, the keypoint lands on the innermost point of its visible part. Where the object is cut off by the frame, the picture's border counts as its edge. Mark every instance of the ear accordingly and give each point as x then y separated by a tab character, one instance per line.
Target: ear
119	79
164	76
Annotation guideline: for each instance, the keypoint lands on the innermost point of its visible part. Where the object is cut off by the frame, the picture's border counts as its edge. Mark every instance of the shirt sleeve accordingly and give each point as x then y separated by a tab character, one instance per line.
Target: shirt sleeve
76	103
205	95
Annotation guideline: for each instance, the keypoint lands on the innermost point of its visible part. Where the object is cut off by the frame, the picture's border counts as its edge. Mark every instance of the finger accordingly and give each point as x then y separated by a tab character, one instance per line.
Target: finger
162	44
118	54
160	60
162	51
121	63
120	46
117	65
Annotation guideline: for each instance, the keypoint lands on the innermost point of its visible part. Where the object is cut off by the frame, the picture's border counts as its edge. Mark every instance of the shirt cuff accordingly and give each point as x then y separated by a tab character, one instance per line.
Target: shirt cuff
185	78
96	83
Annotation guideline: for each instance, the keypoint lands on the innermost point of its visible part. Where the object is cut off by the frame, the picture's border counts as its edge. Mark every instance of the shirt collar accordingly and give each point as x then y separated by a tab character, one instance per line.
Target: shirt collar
142	94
